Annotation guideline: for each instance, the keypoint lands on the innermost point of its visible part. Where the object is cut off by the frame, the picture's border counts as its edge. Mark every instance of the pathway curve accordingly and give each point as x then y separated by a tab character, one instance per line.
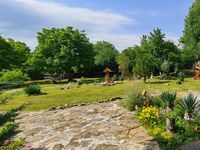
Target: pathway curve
98	126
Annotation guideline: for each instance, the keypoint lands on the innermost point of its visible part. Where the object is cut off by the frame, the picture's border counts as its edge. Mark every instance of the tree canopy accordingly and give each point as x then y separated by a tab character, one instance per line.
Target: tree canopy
105	54
12	54
62	50
191	36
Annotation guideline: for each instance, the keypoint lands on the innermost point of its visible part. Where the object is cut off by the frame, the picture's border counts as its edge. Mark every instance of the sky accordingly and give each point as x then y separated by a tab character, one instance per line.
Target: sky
121	22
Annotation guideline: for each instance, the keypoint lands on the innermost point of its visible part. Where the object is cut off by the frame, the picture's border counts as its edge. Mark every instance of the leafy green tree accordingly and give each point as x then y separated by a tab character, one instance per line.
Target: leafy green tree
22	52
62	50
191	36
123	64
130	54
7	55
105	54
145	61
162	49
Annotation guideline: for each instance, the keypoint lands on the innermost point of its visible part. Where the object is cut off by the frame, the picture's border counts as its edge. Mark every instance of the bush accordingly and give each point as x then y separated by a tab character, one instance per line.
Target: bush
149	116
7	130
190	104
16	144
134	97
160	134
181	76
156	101
33	90
14	76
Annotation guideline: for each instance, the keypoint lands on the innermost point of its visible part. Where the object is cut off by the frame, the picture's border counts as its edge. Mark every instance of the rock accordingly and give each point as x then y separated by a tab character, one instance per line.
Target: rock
61	107
58	147
52	109
107	147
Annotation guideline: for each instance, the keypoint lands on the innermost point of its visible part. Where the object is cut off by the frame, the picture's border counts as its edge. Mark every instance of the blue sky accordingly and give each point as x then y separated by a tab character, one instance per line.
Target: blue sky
121	22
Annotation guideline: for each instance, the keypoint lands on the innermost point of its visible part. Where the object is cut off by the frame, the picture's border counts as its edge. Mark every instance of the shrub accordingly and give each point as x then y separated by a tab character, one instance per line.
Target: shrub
149	116
16	144
14	76
156	101
134	97
160	134
33	90
190	104
7	130
181	76
168	98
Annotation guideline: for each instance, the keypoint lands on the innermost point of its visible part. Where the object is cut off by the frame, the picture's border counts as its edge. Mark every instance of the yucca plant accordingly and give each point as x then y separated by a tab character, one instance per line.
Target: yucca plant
169	100
189	104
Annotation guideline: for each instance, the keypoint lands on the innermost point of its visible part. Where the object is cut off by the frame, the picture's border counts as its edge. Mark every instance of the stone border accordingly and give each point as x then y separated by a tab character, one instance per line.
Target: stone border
83	104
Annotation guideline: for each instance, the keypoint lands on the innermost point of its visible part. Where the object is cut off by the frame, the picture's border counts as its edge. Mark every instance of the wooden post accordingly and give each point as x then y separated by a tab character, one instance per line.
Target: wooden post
144	93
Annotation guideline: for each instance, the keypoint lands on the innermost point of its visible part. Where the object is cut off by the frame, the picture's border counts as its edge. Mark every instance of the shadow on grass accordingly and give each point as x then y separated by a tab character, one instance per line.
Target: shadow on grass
10	116
8	126
159	82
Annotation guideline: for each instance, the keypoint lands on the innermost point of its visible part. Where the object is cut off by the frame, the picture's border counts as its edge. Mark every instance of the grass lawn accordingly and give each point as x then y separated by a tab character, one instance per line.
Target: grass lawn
88	93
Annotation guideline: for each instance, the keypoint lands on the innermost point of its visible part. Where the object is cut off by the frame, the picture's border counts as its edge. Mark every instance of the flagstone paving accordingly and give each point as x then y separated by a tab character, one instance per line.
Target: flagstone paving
97	126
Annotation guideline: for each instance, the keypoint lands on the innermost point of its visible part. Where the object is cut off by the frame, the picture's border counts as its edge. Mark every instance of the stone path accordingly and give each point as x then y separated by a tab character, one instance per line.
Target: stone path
98	126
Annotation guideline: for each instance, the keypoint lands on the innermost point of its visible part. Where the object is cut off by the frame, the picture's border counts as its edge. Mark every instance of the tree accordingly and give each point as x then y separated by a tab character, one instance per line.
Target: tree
7	55
22	52
191	36
130	54
105	54
144	64
62	50
162	49
123	64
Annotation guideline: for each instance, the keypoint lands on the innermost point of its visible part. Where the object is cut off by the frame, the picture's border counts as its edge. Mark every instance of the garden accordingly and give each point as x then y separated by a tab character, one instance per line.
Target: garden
157	81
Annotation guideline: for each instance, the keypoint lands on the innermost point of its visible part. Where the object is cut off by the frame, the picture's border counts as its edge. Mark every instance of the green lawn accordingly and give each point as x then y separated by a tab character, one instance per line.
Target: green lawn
87	93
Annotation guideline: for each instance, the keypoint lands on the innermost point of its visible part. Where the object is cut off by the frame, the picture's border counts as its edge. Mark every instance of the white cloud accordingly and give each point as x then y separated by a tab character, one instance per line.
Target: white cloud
22	19
27	17
121	41
61	15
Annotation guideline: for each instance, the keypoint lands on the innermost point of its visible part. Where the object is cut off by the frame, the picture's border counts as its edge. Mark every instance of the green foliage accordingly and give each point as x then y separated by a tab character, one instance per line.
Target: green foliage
14	76
33	90
160	134
13	54
149	116
7	130
190	39
168	98
144	63
181	76
7	54
189	104
156	101
123	64
160	49
62	50
134	97
105	54
130	54
15	145
165	66
22	52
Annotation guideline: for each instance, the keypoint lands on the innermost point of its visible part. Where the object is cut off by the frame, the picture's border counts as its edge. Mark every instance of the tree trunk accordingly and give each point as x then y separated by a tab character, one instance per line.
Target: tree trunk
145	79
170	123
